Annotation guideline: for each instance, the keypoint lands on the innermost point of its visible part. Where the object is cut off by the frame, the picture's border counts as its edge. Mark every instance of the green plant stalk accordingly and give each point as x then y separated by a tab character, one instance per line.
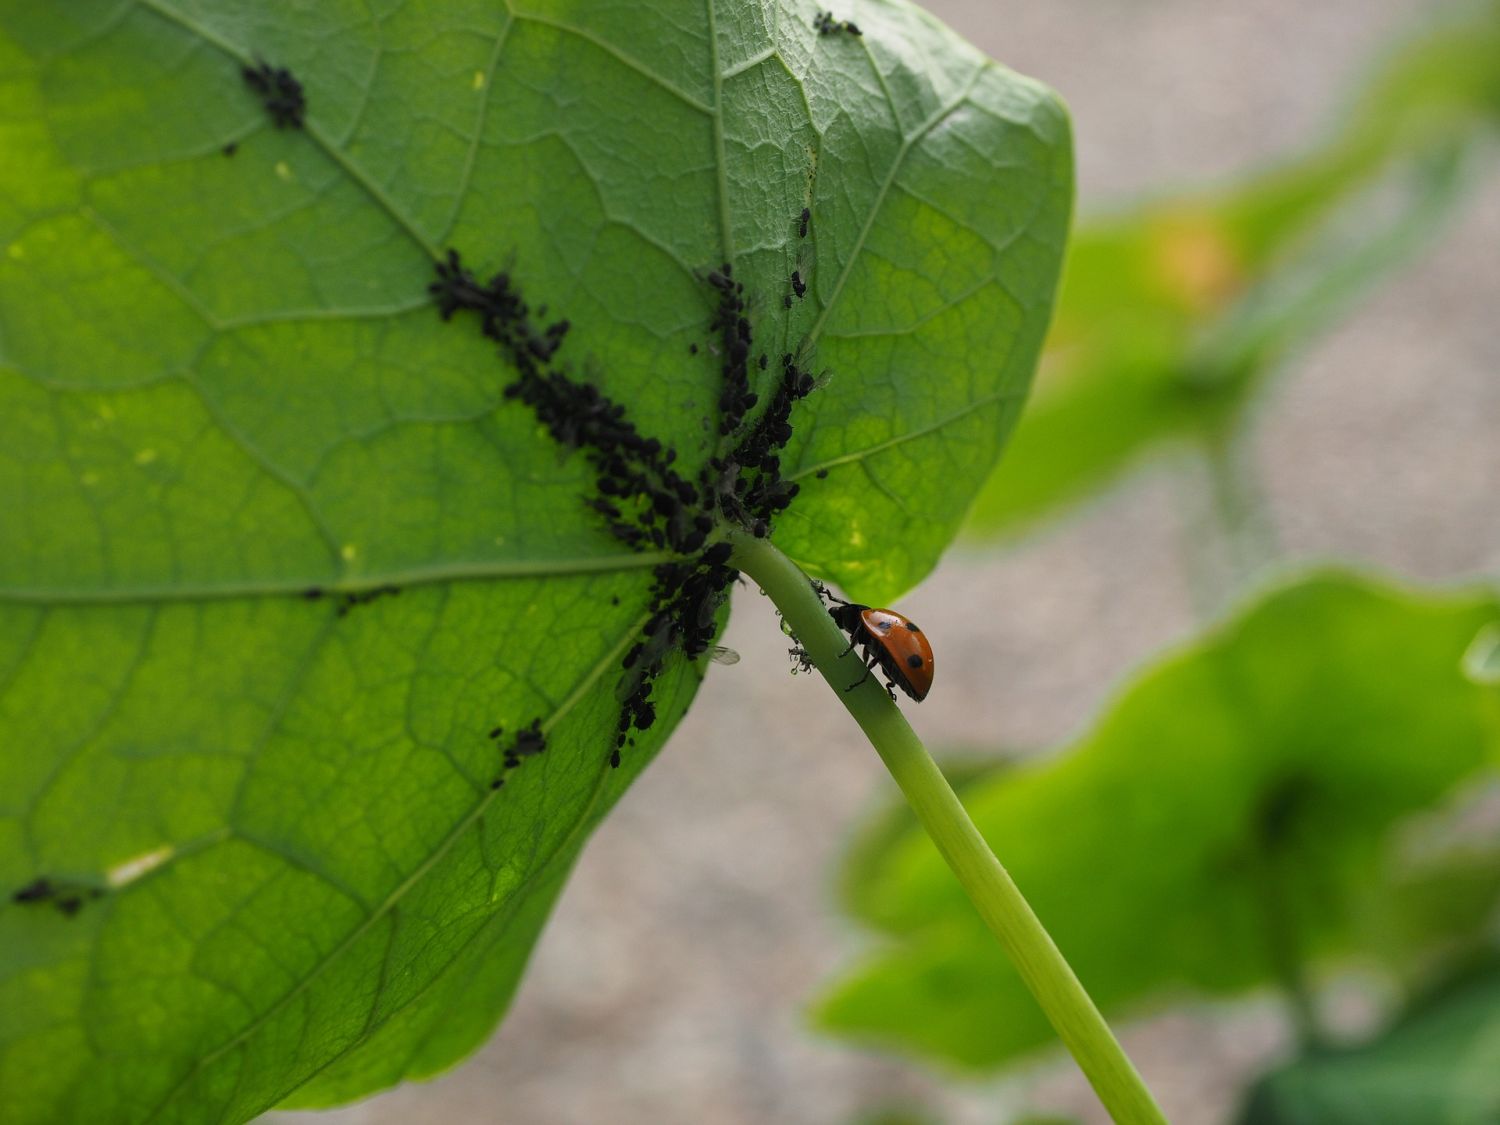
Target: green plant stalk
988	885
1235	495
1285	952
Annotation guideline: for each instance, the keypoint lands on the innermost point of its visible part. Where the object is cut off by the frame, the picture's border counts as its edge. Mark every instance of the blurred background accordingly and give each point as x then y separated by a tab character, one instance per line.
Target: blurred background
672	983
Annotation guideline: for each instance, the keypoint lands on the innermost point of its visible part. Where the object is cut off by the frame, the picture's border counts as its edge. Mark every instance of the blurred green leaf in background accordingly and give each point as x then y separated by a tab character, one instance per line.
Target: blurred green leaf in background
1439	1063
1173	313
1227	821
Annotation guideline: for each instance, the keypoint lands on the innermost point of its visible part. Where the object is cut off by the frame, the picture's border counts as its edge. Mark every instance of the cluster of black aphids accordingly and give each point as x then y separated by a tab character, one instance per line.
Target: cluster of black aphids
503	315
733	326
827	25
67	897
748	481
279	92
528	743
685	599
645	502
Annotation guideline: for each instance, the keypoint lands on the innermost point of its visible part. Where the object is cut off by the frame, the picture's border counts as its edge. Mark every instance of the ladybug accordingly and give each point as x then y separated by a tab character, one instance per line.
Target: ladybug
889	641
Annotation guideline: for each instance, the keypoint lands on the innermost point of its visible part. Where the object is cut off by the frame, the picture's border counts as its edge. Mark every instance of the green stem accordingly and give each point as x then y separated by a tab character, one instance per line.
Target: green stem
989	886
1286	956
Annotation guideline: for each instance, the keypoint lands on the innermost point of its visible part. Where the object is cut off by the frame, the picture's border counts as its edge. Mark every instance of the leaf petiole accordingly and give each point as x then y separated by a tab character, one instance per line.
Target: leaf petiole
987	883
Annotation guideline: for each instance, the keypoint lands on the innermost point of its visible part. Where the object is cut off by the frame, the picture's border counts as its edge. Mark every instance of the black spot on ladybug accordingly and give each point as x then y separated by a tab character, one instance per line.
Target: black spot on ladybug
279	92
914	661
911	625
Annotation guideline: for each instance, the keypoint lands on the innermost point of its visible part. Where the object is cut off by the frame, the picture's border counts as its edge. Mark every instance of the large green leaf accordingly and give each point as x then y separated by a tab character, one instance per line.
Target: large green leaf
1440	1063
1228	814
1172	314
270	853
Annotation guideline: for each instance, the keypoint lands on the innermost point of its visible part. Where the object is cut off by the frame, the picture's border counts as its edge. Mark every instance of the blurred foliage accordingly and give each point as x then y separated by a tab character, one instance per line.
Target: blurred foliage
1170	314
1482	661
1440	1063
1228	818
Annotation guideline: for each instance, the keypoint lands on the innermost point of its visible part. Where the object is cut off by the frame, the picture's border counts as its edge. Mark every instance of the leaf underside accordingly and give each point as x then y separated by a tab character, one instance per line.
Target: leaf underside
223	389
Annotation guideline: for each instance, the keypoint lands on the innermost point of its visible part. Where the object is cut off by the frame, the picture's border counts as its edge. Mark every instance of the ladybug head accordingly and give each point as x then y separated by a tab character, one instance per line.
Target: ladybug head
846	616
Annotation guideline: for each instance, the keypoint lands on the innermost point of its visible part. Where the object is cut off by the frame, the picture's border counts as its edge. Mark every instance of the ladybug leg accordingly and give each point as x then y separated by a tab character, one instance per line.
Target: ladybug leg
824	592
890	689
847	651
870	667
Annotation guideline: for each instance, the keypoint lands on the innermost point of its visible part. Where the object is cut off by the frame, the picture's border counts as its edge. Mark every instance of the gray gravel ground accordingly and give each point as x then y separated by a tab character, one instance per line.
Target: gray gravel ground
669	986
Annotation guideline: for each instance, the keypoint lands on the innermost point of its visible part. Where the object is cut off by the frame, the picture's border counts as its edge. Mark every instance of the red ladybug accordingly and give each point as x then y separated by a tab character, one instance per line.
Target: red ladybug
888	641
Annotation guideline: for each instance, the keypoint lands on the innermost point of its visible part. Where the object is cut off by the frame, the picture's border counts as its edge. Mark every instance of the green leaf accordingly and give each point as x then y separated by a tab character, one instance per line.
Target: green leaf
1173	314
1439	1063
1230	810
251	829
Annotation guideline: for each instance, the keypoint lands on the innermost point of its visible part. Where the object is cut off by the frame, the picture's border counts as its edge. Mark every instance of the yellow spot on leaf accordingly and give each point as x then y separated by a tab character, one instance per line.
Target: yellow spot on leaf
284	170
479	80
348	552
145	457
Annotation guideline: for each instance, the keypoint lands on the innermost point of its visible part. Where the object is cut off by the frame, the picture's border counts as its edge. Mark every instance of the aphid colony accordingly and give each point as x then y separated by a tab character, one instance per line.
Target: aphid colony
645	502
528	743
279	92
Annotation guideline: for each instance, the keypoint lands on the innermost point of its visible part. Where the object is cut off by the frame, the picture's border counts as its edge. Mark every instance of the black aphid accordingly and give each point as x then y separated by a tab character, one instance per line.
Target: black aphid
802	222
